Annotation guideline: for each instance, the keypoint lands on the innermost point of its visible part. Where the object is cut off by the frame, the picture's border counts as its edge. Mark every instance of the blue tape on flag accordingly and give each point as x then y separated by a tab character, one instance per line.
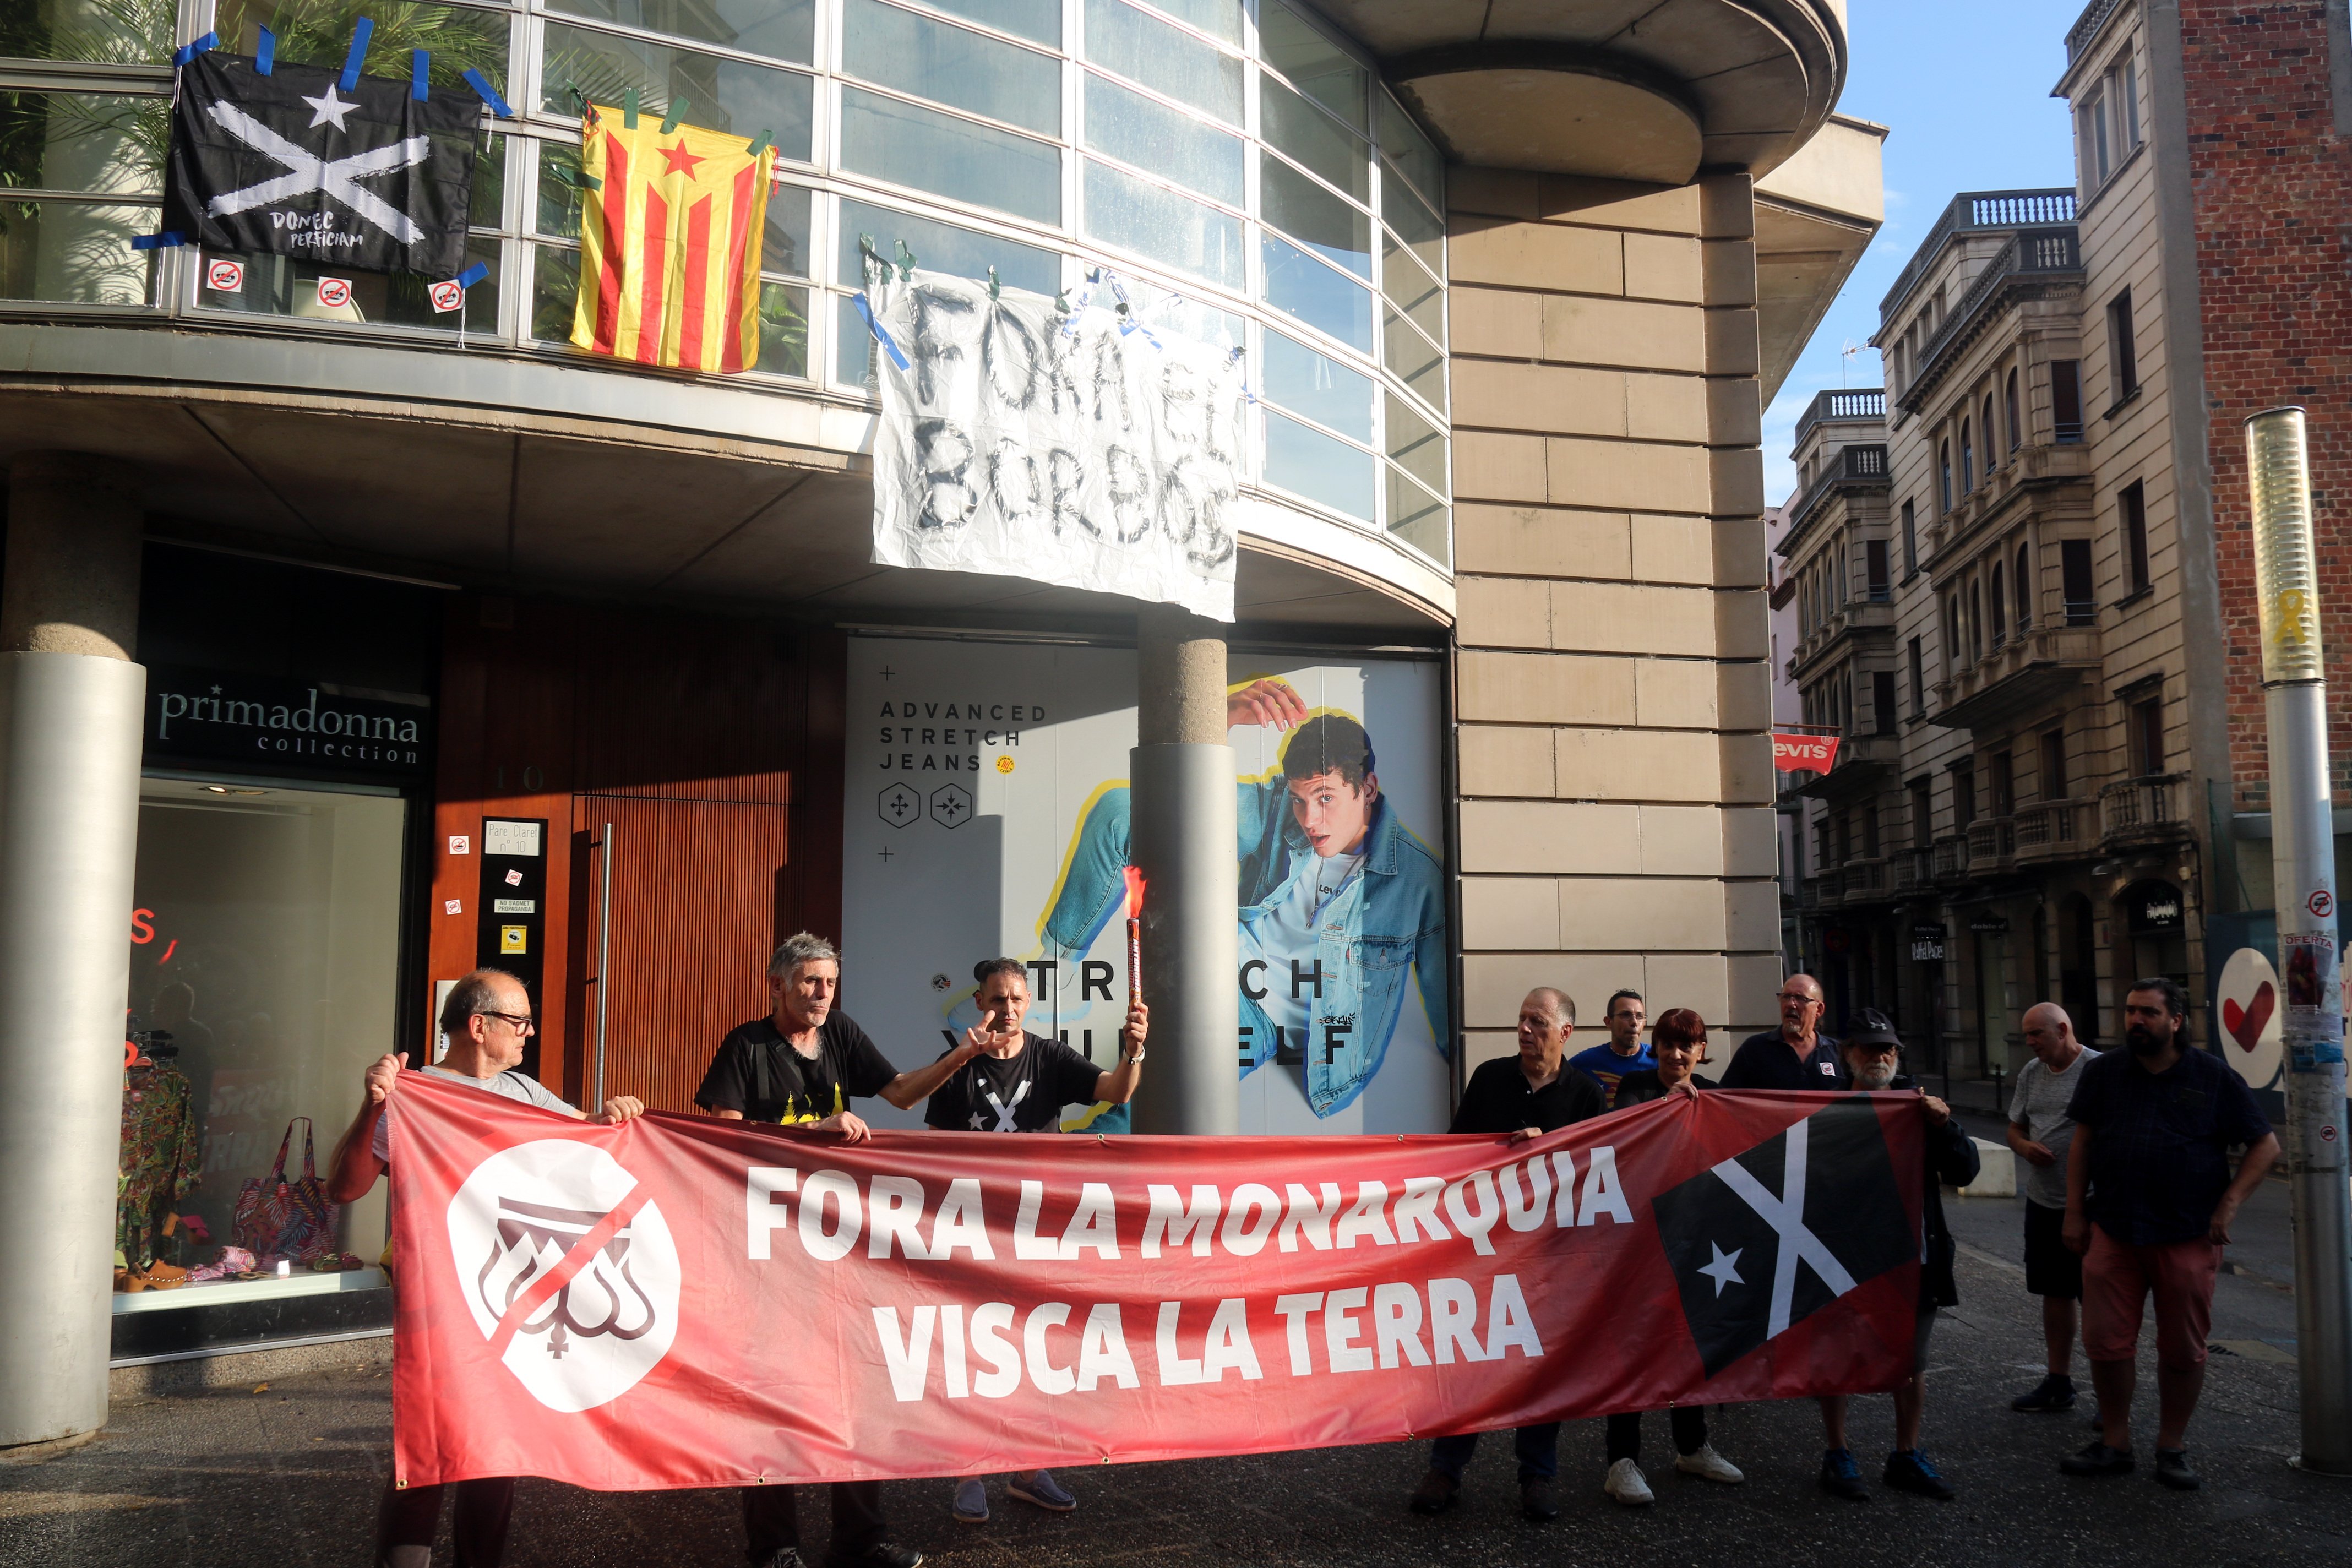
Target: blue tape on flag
472	275
880	334
189	51
420	74
164	241
361	32
264	53
488	94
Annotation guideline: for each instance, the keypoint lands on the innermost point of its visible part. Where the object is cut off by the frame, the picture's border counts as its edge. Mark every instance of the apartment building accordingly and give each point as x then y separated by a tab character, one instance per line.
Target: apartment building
2069	793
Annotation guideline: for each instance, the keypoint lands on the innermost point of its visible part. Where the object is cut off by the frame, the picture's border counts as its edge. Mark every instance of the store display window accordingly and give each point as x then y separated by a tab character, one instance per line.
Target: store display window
263	978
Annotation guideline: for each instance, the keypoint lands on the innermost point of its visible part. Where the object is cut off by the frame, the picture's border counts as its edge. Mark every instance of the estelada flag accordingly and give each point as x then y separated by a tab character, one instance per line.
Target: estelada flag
669	243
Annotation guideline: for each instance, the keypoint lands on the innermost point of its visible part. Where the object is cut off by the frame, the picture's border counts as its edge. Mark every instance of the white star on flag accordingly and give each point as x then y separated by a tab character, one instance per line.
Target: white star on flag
328	109
1725	1269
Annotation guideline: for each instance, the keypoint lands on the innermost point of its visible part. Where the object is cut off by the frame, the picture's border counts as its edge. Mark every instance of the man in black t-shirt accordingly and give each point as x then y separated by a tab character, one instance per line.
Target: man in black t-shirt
1794	1056
1010	1080
801	1065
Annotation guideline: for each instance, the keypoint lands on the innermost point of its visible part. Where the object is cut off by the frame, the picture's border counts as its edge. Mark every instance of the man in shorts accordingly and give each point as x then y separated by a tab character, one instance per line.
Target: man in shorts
2041	1132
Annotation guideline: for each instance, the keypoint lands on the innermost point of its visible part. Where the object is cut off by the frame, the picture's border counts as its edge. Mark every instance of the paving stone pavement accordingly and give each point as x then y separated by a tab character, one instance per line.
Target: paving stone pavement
291	1475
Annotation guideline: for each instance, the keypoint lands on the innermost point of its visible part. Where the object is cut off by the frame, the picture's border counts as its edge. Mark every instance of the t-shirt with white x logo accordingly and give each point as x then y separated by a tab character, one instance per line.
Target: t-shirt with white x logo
1023	1092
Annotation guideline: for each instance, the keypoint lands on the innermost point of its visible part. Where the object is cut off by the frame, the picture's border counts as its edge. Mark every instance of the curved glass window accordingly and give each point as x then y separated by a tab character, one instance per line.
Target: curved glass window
1235	164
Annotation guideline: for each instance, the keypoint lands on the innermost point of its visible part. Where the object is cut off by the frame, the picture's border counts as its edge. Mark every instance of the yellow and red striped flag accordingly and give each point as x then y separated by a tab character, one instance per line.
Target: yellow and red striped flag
669	243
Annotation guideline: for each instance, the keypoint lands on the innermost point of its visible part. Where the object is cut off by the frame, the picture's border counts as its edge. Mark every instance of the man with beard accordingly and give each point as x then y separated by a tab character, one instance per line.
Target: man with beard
1874	1056
2149	1200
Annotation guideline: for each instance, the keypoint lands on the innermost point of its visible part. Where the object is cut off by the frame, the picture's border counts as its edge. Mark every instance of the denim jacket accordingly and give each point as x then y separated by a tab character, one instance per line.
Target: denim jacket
1390	920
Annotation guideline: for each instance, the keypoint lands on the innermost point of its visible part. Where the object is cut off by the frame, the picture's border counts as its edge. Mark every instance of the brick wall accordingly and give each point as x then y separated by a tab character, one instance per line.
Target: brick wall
2272	183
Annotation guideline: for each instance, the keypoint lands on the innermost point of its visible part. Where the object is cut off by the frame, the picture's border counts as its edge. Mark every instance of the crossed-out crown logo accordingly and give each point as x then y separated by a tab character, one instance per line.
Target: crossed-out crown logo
570	1273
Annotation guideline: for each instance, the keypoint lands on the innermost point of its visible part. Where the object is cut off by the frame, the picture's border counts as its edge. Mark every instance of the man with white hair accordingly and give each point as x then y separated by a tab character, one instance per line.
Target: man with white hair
801	1066
2041	1133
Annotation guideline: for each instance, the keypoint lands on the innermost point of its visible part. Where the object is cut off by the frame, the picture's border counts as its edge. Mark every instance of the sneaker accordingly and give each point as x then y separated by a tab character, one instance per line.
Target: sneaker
1627	1485
782	1557
1539	1497
1908	1471
2051	1395
2172	1470
1841	1477
2098	1459
970	1501
1042	1491
1437	1493
881	1554
1708	1466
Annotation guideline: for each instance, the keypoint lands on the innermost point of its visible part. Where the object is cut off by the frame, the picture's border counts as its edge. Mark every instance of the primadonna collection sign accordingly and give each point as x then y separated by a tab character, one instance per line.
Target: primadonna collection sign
684	1302
228	716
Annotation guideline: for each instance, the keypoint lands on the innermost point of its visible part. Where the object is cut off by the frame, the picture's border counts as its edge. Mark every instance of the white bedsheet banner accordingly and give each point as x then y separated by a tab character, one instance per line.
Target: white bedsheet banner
1088	450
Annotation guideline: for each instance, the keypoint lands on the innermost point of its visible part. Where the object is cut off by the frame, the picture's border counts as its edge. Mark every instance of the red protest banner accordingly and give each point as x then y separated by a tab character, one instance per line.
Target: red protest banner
1803	753
681	1302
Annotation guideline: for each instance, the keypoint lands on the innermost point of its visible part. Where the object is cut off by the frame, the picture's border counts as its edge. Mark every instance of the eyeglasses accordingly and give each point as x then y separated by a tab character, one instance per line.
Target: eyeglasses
520	1023
1799	996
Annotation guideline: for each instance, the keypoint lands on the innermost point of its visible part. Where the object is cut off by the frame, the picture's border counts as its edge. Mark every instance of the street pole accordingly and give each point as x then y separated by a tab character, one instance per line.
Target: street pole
2303	861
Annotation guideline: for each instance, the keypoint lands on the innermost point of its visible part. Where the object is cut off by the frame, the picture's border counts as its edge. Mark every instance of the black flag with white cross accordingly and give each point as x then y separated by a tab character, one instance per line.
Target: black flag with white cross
1766	1238
369	177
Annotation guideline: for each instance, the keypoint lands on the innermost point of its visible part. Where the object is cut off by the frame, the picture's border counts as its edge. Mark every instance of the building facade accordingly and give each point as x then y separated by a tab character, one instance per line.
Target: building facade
2074	796
409	639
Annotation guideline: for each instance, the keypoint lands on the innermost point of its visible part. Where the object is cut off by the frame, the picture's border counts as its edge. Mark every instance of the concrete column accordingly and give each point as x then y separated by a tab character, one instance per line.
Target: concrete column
1183	832
70	707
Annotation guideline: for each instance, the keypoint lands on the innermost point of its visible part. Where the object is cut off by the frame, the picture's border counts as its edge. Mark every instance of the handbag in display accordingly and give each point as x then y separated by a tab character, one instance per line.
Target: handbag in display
278	1218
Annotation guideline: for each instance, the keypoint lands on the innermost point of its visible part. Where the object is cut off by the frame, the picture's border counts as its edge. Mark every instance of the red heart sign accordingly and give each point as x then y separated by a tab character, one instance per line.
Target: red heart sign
2245	1024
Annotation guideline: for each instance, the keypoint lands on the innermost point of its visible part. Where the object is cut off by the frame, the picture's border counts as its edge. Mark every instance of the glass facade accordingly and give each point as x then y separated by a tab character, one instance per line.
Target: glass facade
1237	165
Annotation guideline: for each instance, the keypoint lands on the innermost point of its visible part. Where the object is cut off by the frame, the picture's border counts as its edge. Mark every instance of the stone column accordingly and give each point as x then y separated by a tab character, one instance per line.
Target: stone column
1182	837
70	706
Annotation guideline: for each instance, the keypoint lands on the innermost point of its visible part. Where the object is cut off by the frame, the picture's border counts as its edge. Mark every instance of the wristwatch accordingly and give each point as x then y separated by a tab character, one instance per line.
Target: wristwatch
1139	1056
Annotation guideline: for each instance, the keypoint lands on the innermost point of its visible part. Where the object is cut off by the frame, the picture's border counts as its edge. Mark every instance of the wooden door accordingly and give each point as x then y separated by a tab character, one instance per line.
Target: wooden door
699	899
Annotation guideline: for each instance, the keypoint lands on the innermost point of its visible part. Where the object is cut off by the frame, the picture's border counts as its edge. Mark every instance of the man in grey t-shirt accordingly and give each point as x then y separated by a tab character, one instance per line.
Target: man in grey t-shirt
2041	1132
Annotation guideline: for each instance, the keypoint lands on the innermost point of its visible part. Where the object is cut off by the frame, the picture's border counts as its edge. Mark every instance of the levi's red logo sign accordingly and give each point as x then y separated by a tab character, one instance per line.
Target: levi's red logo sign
684	1303
1804	754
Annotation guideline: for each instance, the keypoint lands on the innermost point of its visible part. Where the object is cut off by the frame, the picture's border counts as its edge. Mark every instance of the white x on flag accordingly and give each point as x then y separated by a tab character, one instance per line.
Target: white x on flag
335	177
1786	1215
1004	1109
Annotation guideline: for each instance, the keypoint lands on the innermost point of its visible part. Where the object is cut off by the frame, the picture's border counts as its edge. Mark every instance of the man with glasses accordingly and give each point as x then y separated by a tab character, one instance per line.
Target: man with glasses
486	1020
1622	1052
1794	1056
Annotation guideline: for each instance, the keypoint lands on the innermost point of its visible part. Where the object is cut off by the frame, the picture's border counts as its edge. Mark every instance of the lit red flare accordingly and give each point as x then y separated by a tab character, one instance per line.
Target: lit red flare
1134	892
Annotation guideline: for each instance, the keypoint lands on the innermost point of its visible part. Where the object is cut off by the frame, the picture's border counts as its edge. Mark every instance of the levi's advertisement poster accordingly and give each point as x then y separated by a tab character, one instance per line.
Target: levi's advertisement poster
987	814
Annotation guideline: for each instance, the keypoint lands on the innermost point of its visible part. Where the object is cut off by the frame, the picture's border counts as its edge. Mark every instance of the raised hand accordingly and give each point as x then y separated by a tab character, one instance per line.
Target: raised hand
1269	702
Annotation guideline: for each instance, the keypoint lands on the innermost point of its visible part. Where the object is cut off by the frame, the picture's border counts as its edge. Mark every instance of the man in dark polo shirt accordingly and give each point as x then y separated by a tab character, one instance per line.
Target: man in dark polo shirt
1531	1093
2149	1201
1797	1054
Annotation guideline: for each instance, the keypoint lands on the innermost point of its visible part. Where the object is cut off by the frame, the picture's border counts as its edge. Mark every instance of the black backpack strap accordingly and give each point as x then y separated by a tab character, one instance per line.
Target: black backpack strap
775	1081
763	1094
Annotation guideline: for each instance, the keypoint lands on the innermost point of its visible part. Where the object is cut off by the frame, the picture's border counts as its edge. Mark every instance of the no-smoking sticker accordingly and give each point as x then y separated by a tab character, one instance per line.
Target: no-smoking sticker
334	293
224	277
2321	903
2327	1135
446	295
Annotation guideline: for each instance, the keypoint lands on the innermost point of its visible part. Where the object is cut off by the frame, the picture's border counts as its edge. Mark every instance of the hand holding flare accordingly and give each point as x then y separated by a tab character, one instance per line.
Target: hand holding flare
1134	935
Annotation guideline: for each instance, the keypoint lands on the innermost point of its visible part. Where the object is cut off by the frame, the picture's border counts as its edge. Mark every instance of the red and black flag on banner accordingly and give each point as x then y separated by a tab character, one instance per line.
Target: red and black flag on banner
1761	1241
345	170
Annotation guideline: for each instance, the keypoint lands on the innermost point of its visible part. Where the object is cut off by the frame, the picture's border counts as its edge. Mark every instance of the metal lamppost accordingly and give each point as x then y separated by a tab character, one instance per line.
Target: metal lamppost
2302	859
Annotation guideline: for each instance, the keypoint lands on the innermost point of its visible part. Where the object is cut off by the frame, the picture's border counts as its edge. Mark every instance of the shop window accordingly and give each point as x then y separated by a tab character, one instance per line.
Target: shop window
265	944
2131	517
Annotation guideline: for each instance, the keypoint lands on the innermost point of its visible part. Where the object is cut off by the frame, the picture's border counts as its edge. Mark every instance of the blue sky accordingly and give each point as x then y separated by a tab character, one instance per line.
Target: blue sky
1964	93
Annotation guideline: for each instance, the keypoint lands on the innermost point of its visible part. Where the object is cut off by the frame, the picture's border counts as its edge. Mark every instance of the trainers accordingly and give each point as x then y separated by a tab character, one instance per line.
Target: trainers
1627	1485
2051	1395
1841	1477
1539	1497
1709	1466
881	1554
2098	1459
970	1501
1437	1493
1042	1491
782	1557
2172	1470
1908	1471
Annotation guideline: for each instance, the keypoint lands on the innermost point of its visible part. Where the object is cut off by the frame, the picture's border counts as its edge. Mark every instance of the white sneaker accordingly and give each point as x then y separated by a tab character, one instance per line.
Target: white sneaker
1708	1465
1626	1486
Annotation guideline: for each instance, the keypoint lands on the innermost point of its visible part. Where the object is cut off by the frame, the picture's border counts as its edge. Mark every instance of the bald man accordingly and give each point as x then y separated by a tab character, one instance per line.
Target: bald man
1797	1054
2041	1132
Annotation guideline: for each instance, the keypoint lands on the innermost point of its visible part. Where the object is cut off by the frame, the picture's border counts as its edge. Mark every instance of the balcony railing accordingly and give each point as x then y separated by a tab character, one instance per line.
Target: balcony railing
2086	27
1973	210
2143	808
2048	829
1867	463
2030	251
1951	858
1992	841
1864	878
1856	402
